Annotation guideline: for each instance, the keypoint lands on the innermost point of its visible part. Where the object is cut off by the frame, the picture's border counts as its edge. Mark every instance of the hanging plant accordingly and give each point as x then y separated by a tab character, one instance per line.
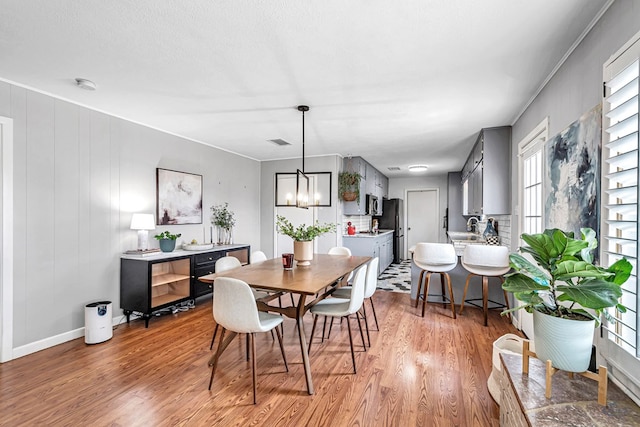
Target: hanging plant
349	186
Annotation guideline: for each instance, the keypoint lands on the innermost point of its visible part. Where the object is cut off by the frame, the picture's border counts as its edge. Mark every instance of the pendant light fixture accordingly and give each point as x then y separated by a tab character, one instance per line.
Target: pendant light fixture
302	180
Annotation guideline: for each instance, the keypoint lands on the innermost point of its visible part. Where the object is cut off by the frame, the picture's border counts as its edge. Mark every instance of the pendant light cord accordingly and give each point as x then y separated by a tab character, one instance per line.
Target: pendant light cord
303	108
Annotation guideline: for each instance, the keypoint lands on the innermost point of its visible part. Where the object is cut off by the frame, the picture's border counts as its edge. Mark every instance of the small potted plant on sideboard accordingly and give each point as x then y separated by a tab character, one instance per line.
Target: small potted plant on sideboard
167	241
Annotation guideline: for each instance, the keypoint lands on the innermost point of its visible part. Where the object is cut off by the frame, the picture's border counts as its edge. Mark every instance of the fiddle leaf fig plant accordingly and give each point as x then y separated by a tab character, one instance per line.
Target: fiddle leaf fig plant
564	272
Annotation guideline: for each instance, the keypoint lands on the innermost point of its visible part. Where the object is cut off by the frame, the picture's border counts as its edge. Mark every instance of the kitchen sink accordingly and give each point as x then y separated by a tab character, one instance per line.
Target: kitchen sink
464	236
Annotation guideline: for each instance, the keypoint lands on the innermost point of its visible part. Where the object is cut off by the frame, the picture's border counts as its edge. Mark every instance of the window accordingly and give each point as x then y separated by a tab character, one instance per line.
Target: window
619	341
531	153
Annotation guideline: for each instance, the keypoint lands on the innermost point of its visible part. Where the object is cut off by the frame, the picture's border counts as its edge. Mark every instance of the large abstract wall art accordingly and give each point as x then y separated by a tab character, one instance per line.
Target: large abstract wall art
573	175
178	197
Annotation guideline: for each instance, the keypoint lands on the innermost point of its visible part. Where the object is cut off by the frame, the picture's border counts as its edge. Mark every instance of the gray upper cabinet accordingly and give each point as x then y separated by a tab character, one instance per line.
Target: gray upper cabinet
485	175
373	182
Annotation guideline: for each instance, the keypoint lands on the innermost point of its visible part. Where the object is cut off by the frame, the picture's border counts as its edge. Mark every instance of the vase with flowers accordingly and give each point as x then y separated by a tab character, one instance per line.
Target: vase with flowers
303	236
224	221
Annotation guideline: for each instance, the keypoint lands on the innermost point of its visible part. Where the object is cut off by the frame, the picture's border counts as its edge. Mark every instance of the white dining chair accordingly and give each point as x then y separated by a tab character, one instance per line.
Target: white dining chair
341	250
339	307
236	311
222	264
258	256
371	284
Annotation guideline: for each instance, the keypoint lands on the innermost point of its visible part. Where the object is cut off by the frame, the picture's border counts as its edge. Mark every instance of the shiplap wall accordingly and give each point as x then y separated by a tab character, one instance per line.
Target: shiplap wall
79	175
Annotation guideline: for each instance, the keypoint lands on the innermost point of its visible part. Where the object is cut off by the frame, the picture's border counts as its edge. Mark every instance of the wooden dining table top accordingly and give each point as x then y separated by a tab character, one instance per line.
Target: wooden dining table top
323	271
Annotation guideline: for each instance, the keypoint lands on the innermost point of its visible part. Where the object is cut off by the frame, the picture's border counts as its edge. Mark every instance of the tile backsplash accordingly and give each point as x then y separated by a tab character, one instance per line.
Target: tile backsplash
361	222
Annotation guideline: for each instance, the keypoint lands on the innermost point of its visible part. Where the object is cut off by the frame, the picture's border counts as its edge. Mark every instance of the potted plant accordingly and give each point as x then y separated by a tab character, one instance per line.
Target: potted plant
167	241
224	219
303	236
349	186
558	290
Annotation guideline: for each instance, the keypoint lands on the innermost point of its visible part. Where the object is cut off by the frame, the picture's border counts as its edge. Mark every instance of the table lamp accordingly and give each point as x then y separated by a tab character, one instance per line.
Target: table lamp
143	223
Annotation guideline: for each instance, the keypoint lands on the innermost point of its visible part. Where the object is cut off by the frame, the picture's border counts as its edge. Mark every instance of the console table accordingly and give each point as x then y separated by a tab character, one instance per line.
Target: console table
574	401
151	283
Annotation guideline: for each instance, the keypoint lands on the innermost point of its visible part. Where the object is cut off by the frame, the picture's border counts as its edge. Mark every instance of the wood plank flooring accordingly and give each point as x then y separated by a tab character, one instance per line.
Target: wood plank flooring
429	371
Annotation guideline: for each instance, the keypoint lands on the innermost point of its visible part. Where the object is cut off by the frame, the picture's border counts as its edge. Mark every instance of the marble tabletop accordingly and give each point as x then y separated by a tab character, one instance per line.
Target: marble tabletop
573	402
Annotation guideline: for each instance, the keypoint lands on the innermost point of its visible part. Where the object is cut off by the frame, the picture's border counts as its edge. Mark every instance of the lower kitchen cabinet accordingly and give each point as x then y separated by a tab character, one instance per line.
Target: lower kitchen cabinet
151	283
380	246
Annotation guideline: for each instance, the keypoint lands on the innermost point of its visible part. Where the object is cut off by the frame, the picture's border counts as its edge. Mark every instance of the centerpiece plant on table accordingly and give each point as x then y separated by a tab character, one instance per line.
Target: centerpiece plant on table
303	236
566	292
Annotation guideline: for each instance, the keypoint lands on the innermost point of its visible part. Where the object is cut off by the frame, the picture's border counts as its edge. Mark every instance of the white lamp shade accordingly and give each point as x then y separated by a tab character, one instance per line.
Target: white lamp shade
141	221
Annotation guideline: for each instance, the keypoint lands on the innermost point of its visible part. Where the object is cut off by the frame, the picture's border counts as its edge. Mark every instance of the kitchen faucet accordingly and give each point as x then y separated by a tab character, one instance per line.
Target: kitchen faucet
472	227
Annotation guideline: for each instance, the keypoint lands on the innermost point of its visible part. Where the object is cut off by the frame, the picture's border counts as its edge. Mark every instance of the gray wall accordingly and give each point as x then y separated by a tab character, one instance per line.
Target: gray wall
331	214
79	175
577	86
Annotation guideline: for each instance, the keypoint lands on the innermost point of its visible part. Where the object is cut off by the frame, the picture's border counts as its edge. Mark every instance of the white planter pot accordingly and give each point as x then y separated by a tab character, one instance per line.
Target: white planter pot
567	343
303	252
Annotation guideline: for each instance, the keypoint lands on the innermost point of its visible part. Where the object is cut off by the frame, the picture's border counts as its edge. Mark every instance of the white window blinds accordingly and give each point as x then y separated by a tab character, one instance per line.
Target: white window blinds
619	234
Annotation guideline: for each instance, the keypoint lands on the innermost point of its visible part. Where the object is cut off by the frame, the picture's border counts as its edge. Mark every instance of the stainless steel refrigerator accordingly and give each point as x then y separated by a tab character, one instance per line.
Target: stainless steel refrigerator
392	219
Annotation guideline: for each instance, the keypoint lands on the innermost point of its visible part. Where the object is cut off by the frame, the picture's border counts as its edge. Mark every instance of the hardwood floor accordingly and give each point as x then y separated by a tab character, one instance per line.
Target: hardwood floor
429	371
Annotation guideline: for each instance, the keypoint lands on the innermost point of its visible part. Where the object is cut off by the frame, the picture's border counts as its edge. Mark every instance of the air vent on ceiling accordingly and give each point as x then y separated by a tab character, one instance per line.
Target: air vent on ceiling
279	142
394	168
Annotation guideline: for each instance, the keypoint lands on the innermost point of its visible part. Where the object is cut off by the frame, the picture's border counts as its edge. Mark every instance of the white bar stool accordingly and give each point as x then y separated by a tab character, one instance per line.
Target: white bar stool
485	261
435	258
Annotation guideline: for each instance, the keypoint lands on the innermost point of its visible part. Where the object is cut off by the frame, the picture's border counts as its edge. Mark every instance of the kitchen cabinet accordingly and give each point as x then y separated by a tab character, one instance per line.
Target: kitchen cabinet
152	283
486	174
373	245
373	182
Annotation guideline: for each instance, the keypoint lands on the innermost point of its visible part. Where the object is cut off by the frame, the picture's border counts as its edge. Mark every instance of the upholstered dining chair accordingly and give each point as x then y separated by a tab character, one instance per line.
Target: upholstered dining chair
236	311
485	261
258	256
341	250
339	307
371	283
435	258
222	264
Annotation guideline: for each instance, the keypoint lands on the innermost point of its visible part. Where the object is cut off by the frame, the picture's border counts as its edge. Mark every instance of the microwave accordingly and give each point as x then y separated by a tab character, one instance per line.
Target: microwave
372	205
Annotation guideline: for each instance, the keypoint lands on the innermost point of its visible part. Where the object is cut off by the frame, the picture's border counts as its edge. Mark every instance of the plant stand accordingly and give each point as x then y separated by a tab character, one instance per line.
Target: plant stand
600	377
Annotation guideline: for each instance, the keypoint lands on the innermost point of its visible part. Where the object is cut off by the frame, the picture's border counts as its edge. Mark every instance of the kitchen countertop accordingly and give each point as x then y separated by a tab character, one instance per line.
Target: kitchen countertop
367	235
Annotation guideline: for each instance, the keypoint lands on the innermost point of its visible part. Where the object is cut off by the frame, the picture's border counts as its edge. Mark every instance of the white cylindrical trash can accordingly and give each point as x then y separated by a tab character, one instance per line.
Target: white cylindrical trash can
97	322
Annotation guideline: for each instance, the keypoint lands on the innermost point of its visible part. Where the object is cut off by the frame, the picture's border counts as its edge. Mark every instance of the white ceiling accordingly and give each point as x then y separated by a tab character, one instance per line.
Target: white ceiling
397	82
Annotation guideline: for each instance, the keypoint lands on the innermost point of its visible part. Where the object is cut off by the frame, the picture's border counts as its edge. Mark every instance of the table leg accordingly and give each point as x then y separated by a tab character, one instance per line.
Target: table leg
300	309
224	343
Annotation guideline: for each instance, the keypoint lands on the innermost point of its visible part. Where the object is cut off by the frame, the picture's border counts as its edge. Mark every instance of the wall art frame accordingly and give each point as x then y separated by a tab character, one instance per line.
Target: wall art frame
178	197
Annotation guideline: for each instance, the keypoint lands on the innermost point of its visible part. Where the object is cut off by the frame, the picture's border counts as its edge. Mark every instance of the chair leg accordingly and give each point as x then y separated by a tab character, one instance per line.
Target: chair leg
366	323
361	334
373	308
444	303
215	332
218	353
453	304
464	294
419	288
282	348
331	326
324	327
248	339
253	365
353	355
426	292
506	297
485	298
313	329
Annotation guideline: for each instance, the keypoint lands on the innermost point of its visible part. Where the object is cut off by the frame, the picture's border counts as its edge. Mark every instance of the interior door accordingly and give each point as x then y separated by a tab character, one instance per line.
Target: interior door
423	216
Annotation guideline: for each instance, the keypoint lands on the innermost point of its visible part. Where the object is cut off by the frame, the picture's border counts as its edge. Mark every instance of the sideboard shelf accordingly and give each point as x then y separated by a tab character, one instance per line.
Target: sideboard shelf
152	283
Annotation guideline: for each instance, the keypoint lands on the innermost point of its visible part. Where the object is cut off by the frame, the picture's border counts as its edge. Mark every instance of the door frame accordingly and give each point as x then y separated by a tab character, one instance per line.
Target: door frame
406	213
6	260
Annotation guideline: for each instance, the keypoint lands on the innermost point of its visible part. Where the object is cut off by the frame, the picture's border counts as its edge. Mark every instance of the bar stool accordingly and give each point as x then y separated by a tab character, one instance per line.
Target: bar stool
435	258
485	261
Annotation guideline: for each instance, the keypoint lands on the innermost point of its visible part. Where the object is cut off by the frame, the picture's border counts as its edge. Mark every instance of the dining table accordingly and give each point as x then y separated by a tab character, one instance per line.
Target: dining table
310	283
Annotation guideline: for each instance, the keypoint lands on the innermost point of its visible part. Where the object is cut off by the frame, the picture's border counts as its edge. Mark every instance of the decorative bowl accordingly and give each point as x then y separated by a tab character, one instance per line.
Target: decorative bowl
197	246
